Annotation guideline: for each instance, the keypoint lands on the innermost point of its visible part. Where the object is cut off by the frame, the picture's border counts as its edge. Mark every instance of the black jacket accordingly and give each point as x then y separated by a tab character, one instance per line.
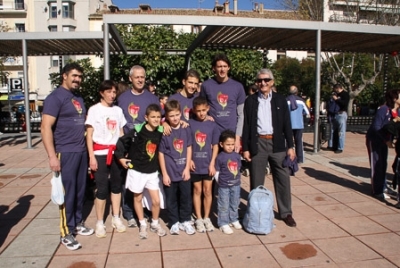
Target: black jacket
283	135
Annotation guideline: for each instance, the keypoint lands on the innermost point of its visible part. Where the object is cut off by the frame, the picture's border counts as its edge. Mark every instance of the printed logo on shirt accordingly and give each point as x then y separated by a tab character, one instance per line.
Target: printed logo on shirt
111	125
222	99
77	106
200	138
133	110
186	112
233	167
151	149
178	145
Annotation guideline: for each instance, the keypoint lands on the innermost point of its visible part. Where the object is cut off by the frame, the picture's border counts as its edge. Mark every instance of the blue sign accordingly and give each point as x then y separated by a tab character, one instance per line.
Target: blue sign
16	96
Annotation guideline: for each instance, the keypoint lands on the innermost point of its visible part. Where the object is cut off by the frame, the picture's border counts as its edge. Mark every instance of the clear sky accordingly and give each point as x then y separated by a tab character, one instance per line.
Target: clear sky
205	4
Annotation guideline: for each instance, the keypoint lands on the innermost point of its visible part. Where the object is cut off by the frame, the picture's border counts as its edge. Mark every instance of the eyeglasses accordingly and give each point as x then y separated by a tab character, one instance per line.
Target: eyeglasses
266	80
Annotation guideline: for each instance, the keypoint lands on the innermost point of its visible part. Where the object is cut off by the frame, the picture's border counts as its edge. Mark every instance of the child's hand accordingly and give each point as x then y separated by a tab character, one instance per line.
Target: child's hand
166	181
124	162
186	174
192	166
184	124
211	170
209	118
93	164
167	129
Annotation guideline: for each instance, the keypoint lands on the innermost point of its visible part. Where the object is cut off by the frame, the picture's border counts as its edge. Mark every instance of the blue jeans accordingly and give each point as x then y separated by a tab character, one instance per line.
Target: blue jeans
339	127
228	204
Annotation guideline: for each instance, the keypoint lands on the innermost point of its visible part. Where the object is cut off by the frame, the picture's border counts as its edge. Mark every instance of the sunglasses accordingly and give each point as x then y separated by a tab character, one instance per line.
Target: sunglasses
266	80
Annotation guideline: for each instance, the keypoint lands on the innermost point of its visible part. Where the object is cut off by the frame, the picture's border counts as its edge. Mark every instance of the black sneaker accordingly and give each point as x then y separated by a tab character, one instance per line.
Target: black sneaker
81	229
70	242
338	151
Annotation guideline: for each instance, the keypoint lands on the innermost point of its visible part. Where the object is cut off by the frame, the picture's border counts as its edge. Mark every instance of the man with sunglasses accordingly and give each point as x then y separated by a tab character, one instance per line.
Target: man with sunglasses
268	138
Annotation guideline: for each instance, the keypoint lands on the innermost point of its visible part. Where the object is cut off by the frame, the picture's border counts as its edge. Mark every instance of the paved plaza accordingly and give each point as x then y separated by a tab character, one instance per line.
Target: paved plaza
338	223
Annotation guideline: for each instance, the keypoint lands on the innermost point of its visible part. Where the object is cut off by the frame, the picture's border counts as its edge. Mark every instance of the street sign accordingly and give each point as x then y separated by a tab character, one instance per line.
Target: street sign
16	84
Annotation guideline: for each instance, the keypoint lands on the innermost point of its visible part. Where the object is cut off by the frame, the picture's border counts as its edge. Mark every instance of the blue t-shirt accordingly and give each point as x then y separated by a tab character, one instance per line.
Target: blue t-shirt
205	134
223	99
228	166
69	128
134	107
186	105
174	148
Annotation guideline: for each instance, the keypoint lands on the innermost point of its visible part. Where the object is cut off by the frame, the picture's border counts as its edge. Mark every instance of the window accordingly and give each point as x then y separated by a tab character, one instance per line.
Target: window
68	10
20	27
53	28
19	5
68	29
54	61
53	10
196	29
1	7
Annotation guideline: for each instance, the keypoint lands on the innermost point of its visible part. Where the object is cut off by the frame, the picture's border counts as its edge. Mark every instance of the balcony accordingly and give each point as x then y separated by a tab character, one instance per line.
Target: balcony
13	7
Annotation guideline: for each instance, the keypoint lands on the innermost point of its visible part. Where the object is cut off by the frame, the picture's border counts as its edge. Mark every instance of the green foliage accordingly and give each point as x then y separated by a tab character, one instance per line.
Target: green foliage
90	83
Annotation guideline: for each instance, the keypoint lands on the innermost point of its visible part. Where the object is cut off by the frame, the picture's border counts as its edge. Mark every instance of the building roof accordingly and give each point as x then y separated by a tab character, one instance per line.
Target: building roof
59	43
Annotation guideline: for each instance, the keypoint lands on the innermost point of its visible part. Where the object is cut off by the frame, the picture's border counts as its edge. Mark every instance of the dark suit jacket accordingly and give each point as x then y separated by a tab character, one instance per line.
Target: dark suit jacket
283	135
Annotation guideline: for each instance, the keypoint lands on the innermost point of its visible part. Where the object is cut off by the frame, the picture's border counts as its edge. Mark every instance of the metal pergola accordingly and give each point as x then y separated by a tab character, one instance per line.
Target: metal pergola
220	32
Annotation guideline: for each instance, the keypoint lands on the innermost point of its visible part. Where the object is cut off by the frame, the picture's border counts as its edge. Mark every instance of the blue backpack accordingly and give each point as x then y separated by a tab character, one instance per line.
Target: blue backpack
259	217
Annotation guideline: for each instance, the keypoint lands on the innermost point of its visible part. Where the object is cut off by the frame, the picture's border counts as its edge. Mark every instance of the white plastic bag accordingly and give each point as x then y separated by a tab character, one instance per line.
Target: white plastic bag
57	189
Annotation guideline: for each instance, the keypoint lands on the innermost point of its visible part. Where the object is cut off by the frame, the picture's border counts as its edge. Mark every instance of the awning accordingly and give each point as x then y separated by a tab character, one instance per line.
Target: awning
3	97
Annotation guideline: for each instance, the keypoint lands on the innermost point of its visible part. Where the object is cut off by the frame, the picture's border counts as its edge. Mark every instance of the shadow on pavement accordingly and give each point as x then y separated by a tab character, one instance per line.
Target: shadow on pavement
10	218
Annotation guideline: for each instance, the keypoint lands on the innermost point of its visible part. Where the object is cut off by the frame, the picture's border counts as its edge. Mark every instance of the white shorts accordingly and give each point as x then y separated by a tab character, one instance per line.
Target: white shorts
137	181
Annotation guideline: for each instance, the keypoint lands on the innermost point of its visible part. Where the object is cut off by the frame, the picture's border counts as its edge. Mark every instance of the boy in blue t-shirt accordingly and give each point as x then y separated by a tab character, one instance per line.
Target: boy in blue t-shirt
175	156
205	150
228	177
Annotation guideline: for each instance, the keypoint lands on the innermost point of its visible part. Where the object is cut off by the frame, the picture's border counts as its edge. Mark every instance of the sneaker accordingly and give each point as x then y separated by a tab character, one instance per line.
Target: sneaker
132	223
187	227
236	225
143	231
100	230
70	242
397	205
208	224
382	196
81	229
200	228
158	229
389	191
174	229
226	229
117	224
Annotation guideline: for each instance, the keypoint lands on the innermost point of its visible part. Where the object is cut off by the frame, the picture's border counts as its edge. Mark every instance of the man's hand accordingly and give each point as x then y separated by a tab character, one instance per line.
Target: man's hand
246	156
238	146
291	153
54	163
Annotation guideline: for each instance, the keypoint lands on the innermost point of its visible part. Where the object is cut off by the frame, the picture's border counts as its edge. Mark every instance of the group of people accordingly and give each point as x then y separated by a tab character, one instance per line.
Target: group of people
135	148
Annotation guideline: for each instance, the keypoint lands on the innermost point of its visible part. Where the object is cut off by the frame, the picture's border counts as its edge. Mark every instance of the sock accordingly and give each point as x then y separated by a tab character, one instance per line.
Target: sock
116	216
100	222
143	222
154	222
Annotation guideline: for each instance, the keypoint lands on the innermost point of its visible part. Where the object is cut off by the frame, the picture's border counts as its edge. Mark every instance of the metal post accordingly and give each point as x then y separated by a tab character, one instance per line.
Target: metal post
317	89
26	99
106	52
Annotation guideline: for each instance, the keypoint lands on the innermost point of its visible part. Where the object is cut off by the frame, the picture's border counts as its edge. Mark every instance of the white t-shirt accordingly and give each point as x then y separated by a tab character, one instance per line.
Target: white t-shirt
106	123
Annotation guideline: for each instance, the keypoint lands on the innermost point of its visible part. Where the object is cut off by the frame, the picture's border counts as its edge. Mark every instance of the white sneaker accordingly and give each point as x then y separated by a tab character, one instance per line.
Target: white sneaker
208	224
100	230
200	228
117	224
236	225
81	229
226	229
174	229
132	223
187	227
157	229
143	231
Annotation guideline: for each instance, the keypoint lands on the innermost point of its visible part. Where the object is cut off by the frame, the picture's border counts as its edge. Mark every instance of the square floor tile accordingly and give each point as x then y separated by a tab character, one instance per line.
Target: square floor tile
75	261
315	229
360	225
190	258
370	207
385	244
336	211
317	199
298	254
245	256
390	221
346	249
148	260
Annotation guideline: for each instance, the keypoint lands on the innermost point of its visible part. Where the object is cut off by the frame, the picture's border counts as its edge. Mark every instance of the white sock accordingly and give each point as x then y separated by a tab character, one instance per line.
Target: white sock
100	222
154	222
143	222
116	216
